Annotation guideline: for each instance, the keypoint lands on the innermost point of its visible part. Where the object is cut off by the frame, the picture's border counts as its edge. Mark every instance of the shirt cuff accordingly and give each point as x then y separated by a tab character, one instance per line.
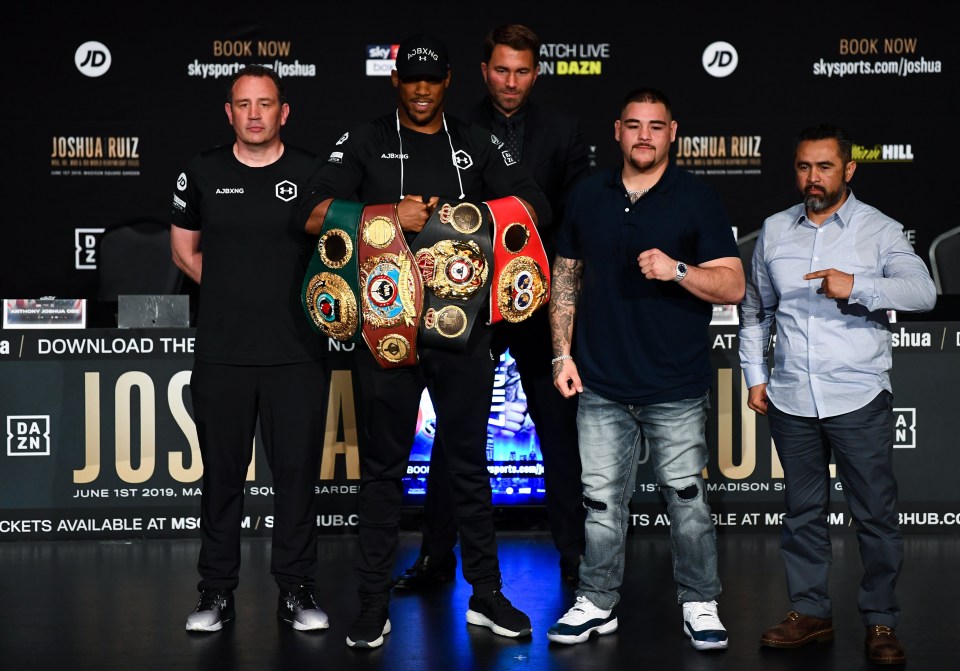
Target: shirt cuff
756	374
863	290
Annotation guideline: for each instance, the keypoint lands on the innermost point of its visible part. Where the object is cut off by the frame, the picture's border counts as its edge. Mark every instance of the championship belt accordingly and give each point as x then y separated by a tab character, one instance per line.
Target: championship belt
521	272
453	253
330	287
391	291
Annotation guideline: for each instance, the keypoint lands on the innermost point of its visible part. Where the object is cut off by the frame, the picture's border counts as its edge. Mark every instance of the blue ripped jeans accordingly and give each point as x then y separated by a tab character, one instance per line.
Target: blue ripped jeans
612	436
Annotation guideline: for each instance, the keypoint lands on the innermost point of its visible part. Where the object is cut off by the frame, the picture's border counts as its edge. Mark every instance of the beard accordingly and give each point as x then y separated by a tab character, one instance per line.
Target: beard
817	203
641	164
419	118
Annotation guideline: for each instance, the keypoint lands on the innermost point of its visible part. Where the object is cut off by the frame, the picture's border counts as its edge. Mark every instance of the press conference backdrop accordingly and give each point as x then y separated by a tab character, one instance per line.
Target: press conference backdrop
100	442
108	104
108	108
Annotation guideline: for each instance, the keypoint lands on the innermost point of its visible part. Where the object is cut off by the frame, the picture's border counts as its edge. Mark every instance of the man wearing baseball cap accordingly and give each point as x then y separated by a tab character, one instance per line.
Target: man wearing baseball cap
549	143
414	157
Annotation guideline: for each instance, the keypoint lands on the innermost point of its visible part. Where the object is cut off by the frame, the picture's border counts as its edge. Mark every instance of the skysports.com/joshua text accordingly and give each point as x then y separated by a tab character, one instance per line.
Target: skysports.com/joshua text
900	68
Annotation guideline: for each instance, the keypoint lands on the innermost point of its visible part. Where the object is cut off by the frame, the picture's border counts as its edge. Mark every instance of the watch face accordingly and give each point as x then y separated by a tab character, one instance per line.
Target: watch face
681	267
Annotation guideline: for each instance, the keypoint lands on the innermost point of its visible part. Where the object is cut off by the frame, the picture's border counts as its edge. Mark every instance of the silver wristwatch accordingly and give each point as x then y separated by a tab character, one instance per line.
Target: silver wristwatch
681	271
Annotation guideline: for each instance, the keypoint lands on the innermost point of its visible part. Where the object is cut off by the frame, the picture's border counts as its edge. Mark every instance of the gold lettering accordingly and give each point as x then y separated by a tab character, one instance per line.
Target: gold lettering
748	456
148	429
178	410
340	404
91	420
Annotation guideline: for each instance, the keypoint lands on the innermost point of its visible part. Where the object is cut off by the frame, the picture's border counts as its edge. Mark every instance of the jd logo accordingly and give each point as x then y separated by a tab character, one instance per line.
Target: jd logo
92	58
720	59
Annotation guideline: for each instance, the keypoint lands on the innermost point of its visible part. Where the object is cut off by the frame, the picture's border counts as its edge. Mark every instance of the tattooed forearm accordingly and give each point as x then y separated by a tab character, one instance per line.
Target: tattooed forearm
564	295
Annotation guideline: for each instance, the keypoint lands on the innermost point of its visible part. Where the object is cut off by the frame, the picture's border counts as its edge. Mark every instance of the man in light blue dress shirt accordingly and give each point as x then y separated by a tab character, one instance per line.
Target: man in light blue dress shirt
827	271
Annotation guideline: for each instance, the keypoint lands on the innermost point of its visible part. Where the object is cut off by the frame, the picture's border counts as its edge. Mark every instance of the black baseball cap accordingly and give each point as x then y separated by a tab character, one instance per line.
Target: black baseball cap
422	56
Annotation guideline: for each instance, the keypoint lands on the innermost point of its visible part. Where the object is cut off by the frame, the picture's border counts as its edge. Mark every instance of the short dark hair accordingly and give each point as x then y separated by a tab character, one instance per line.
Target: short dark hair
827	131
647	95
514	35
256	71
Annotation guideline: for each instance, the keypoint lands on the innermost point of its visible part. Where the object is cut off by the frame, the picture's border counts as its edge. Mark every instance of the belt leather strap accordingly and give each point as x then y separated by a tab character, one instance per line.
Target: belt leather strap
330	290
391	290
521	272
453	253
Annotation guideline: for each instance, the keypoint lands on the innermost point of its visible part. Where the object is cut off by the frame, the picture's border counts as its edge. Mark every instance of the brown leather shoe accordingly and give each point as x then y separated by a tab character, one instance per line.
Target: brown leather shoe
797	630
883	647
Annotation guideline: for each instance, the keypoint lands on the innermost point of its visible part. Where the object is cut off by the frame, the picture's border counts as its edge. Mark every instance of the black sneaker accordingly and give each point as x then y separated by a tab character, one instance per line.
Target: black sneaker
299	609
428	572
213	610
373	623
494	611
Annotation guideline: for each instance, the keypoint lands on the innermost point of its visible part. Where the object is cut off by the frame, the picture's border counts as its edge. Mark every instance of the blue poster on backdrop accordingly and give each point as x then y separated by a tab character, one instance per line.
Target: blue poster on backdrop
513	449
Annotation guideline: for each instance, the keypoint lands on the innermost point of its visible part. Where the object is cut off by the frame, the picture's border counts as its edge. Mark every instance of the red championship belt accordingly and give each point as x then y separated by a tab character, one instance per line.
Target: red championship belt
391	289
521	272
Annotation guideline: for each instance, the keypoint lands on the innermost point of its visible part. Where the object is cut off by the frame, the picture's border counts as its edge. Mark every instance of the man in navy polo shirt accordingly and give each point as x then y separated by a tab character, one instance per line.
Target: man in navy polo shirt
643	252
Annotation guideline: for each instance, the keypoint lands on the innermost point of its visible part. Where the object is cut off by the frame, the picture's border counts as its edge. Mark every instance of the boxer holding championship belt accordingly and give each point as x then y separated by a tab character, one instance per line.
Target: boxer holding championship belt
453	253
391	290
521	272
331	285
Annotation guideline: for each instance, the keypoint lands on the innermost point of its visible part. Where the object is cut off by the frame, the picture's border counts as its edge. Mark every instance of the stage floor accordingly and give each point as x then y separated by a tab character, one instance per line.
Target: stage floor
122	605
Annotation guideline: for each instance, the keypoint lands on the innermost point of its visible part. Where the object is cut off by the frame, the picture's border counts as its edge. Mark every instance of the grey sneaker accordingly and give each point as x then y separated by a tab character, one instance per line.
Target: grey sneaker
299	609
213	610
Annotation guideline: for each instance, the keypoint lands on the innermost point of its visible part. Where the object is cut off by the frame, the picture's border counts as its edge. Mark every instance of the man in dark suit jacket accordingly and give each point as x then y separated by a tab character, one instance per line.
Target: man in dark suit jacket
549	144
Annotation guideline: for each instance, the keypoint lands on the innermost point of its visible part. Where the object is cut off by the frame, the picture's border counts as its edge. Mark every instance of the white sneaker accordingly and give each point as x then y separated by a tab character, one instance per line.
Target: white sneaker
703	626
581	621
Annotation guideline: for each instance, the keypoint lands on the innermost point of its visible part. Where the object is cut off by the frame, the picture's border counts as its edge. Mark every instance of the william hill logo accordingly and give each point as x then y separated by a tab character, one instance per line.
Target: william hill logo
883	153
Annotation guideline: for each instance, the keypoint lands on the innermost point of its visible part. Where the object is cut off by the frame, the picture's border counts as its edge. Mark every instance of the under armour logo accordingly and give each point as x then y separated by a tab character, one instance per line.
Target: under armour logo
286	191
462	159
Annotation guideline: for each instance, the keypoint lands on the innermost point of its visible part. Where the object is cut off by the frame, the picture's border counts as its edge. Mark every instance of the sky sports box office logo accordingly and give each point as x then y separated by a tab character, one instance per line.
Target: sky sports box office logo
381	59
